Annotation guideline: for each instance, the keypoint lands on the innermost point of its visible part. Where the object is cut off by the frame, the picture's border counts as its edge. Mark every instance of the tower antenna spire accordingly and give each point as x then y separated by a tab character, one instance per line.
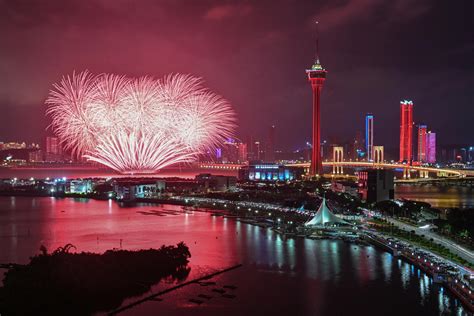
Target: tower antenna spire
317	42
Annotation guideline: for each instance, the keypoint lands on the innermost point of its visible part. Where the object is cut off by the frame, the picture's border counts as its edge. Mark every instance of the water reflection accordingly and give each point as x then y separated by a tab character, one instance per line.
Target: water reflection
406	272
315	273
438	196
387	260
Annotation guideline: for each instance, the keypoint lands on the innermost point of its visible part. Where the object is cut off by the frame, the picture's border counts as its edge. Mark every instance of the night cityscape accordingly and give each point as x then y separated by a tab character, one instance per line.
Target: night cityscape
236	157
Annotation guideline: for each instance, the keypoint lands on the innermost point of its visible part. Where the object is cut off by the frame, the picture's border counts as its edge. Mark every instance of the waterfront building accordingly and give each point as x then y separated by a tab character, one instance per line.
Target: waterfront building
82	186
376	185
12	145
406	131
431	147
129	190
216	183
269	172
369	136
422	131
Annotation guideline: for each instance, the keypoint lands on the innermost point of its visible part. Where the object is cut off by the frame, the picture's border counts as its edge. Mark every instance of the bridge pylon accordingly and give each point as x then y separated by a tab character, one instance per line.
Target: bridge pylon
337	157
424	174
378	154
406	173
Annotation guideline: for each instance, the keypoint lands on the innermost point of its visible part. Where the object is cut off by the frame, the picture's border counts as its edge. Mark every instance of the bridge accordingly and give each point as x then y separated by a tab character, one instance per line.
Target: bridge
423	172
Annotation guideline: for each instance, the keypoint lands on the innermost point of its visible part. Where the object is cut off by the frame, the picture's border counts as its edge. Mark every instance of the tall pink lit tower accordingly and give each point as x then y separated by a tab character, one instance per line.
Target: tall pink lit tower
406	131
316	76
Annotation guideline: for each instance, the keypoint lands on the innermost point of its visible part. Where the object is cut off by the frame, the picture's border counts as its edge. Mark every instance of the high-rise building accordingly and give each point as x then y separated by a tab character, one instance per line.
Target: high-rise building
422	130
242	152
270	145
250	148
430	147
316	76
233	151
35	156
257	151
369	136
406	131
52	145
53	149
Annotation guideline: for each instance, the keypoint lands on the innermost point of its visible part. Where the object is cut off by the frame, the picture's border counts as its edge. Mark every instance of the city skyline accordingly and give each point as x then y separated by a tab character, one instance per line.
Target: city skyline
202	157
390	72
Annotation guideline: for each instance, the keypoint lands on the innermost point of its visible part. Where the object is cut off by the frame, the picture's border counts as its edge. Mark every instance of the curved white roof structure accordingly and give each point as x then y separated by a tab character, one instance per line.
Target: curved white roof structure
324	216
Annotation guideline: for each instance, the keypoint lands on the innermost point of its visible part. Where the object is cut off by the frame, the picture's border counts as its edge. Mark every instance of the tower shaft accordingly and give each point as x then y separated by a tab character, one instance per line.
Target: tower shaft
316	160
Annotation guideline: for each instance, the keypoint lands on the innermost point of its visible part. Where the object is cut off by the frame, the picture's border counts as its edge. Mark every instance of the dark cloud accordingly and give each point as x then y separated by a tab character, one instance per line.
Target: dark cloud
225	11
375	12
254	53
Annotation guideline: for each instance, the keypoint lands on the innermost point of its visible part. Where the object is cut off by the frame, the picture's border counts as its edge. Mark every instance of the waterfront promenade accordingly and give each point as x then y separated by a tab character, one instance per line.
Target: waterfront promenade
462	252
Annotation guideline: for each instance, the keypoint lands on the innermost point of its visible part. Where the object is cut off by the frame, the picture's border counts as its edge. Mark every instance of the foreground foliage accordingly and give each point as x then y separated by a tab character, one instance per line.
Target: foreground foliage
65	283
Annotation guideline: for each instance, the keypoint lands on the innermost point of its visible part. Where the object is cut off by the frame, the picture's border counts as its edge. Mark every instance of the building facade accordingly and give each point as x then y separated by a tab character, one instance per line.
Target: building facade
431	147
53	148
270	172
376	185
369	136
422	131
216	183
406	131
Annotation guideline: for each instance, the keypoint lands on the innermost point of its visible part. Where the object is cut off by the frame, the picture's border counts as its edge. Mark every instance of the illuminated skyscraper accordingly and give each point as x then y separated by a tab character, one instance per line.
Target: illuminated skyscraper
431	147
406	130
422	129
316	76
369	136
233	151
243	154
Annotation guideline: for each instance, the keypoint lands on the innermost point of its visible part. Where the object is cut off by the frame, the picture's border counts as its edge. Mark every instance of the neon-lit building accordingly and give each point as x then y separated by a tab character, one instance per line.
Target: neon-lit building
431	147
406	131
422	130
316	76
270	172
369	136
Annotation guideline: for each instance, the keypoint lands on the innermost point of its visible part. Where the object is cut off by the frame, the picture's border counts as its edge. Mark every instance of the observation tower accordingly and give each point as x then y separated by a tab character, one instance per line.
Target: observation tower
316	76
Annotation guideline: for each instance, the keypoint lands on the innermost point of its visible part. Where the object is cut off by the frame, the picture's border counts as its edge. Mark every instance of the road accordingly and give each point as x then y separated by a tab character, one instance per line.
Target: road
462	252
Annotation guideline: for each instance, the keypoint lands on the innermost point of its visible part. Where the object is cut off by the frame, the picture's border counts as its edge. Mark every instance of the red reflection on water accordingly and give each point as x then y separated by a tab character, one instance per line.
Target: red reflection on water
100	225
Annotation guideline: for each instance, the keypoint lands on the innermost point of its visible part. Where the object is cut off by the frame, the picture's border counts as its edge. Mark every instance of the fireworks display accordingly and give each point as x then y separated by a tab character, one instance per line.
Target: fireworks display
138	125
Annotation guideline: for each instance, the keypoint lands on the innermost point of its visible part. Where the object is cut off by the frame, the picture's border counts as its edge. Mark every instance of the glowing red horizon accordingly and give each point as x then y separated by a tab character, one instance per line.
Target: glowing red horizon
138	125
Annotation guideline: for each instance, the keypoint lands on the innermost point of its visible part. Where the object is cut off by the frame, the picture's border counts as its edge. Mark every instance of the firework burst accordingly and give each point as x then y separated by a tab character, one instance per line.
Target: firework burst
138	125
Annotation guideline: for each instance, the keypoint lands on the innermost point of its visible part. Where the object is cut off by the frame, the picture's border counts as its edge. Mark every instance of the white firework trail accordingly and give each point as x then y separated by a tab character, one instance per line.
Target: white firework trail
138	125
